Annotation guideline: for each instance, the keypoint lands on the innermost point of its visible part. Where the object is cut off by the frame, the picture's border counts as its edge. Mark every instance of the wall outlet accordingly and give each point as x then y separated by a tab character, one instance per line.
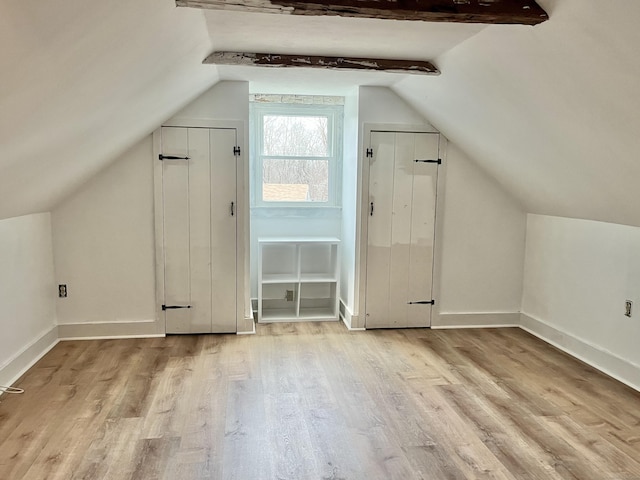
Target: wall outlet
62	291
627	308
289	296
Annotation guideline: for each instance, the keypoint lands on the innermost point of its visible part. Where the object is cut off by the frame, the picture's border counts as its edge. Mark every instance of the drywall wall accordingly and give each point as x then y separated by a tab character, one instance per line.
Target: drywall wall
381	105
350	203
103	241
226	100
578	274
482	249
28	316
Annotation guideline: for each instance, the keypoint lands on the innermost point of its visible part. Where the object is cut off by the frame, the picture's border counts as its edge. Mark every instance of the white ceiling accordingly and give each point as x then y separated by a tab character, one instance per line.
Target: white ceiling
550	111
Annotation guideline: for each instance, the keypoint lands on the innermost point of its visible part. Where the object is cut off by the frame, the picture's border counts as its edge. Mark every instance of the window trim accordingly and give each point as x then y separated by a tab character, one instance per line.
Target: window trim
334	114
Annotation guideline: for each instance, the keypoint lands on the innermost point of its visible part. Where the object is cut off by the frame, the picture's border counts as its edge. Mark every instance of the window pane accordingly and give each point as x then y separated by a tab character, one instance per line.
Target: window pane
299	136
286	180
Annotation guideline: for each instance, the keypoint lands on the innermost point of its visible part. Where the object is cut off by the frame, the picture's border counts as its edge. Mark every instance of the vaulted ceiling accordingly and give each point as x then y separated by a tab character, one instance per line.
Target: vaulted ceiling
550	111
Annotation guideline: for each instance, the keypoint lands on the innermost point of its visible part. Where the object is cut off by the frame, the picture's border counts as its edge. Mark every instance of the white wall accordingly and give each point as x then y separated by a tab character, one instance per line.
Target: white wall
103	237
483	243
480	232
349	225
27	292
226	100
578	274
382	105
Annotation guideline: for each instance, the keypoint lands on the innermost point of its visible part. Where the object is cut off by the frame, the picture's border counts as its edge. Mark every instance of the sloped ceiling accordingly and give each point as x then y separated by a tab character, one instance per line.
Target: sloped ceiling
82	80
550	111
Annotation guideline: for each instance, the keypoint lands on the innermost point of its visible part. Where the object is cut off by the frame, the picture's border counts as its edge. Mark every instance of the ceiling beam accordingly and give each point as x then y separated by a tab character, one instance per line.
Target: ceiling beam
526	12
332	63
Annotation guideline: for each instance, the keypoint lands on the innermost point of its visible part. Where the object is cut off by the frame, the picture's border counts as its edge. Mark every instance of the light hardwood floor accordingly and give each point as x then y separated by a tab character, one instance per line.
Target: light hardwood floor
314	401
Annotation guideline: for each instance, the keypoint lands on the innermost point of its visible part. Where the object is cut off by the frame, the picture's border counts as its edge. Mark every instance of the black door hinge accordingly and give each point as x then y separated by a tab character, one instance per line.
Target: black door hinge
369	152
171	157
423	302
174	307
438	161
236	151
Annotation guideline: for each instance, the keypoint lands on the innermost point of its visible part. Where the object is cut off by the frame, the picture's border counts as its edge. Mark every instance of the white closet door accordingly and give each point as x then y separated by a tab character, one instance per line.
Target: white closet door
199	245
402	195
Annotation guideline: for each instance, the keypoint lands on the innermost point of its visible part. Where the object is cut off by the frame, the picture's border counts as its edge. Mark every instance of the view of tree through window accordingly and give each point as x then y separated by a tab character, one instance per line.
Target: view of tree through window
295	165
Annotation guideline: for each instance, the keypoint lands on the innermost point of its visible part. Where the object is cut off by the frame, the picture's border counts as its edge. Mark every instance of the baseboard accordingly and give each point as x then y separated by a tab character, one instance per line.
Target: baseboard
607	362
22	361
348	318
248	321
475	320
107	330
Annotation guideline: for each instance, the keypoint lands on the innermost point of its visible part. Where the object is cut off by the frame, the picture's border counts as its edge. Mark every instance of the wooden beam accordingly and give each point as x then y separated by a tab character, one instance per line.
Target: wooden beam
526	12
340	63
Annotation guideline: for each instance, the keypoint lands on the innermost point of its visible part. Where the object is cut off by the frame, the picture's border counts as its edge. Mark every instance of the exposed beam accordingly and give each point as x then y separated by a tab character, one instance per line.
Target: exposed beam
526	12
341	63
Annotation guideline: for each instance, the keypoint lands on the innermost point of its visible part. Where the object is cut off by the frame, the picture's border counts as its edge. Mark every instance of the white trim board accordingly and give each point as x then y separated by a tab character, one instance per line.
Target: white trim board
607	362
348	318
476	320
126	329
27	357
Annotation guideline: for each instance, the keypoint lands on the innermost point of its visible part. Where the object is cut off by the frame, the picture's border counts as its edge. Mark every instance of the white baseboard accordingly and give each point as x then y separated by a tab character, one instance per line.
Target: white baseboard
599	358
475	320
108	330
248	321
22	361
348	318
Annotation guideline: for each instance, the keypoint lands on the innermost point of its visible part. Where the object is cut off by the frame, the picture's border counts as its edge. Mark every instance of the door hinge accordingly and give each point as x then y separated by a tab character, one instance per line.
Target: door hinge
438	161
236	151
422	302
174	307
369	152
171	157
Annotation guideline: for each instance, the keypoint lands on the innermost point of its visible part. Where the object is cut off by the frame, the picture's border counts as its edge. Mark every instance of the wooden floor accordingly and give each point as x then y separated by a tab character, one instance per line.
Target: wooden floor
314	401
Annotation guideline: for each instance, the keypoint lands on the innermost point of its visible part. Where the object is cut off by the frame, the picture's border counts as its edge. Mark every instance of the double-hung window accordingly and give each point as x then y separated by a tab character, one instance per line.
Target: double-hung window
297	154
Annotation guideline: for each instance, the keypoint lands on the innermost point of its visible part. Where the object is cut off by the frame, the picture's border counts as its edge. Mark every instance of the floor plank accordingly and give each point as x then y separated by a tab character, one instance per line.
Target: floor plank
315	401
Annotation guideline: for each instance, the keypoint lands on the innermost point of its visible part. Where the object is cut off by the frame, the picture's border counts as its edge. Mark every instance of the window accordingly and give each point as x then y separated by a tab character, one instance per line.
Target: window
297	154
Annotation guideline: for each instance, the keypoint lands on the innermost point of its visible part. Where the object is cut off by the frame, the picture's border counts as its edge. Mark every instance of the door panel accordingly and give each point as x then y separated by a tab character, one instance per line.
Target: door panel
223	229
199	230
401	230
175	199
379	236
425	176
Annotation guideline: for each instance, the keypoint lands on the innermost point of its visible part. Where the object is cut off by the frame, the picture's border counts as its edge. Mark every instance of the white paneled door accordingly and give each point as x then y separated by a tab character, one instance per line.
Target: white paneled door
199	221
403	173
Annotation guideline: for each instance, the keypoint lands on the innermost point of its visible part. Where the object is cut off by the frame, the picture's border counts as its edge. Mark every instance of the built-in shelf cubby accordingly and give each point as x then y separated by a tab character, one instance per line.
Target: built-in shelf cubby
298	279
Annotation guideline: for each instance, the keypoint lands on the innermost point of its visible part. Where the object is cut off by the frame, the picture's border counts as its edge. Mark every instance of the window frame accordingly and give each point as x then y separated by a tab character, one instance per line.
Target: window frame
334	115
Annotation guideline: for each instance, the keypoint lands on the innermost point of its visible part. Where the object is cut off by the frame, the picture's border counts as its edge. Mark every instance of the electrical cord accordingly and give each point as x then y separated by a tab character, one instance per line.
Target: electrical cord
13	390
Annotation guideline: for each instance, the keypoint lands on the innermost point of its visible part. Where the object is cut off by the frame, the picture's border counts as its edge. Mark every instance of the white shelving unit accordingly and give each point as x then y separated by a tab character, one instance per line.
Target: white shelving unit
298	279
